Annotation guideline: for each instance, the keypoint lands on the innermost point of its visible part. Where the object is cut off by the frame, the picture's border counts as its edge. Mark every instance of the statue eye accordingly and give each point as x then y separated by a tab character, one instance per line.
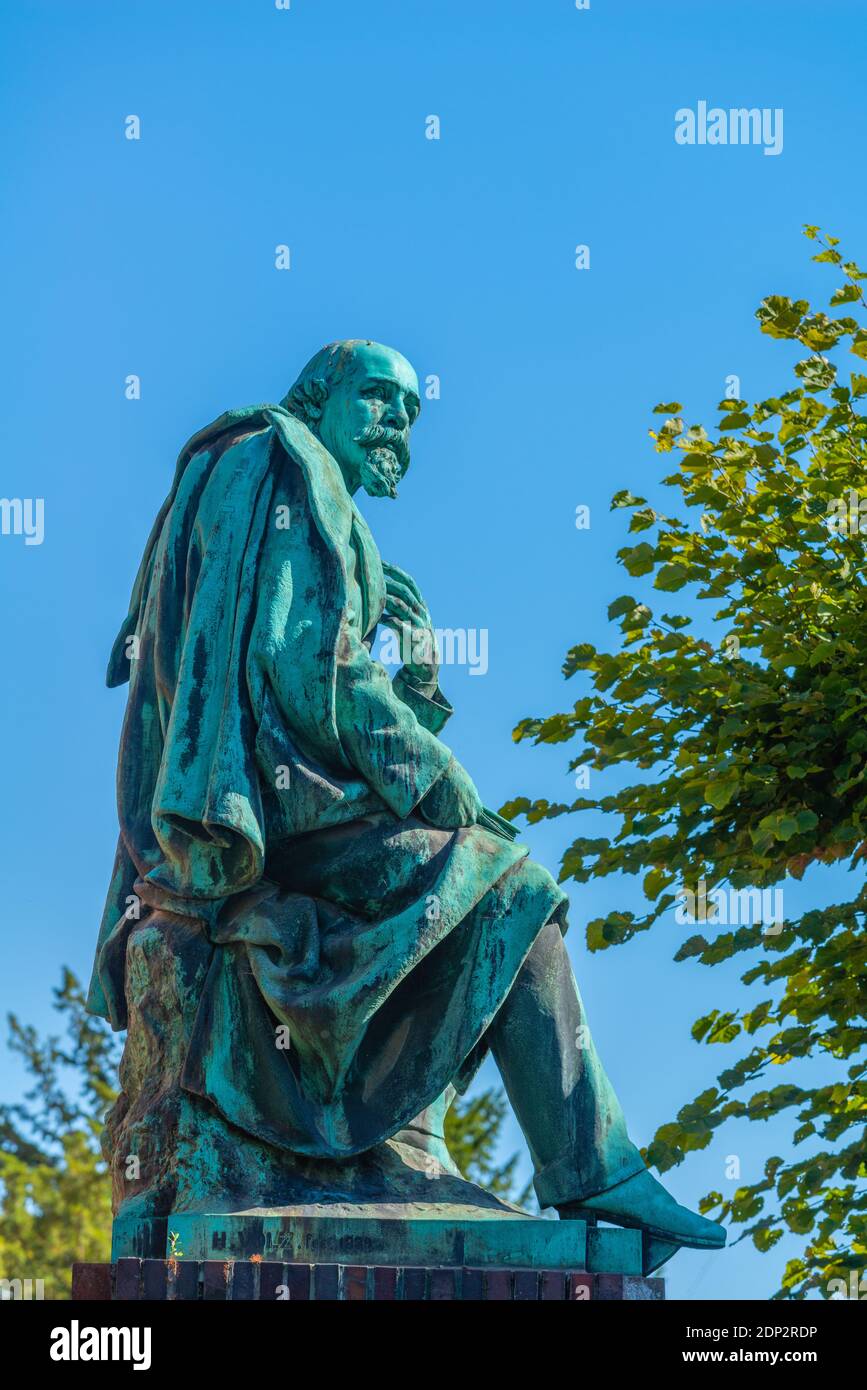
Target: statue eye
373	393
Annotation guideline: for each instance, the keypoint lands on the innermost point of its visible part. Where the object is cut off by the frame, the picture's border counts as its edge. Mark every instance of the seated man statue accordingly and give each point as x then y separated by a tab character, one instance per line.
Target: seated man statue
315	932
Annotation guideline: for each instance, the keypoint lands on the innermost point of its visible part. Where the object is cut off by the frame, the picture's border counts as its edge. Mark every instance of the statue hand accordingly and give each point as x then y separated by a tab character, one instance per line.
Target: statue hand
406	613
452	800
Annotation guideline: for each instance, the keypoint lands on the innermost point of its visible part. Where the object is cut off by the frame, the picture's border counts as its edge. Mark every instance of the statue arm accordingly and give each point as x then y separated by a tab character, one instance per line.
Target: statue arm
427	702
416	683
393	749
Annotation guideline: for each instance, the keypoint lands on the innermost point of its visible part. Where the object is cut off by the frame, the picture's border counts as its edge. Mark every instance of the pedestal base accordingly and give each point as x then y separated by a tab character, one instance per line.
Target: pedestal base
380	1235
133	1280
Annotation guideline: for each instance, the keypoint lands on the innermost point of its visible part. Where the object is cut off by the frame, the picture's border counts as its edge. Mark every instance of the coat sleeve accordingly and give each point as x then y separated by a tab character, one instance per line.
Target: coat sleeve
429	705
379	732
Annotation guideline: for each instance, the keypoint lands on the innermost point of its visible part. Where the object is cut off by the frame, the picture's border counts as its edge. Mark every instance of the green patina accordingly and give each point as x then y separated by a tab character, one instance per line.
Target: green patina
315	931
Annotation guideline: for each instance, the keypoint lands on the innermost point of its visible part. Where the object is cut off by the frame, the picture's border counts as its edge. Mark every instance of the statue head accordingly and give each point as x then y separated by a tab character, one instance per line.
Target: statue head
361	400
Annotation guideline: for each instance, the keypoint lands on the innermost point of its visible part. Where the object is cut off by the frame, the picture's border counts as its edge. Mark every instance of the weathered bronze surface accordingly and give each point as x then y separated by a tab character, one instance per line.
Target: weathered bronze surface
315	931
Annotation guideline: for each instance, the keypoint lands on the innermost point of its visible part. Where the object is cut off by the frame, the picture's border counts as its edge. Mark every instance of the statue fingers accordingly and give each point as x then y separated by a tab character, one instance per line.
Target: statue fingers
398	625
399	608
403	578
396	590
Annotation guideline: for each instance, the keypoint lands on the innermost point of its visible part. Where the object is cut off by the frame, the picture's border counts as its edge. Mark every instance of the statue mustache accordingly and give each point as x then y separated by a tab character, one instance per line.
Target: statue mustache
383	437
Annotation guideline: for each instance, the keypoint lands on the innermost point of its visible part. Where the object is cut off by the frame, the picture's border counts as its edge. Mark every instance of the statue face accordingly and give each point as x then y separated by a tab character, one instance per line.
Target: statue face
367	417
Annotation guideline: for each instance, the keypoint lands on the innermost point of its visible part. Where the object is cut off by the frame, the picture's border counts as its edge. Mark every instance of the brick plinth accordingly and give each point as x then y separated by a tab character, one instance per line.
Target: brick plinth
135	1280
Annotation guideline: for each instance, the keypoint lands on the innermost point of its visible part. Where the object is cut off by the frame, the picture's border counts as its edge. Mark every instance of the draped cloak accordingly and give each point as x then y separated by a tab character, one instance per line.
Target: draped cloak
268	783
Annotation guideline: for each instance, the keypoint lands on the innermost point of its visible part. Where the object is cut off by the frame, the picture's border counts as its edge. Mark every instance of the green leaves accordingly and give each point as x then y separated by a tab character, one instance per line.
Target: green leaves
781	826
847	294
816	373
55	1189
766	1237
741	723
655	881
624	604
671	577
780	317
578	658
720	793
637	559
626	499
716	1028
859	344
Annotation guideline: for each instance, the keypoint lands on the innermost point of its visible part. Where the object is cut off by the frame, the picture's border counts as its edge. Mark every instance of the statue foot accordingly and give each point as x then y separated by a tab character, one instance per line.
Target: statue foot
655	1253
643	1203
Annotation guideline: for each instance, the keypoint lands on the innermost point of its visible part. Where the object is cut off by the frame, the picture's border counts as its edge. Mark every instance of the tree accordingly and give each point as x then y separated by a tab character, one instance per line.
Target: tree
55	1192
744	731
472	1131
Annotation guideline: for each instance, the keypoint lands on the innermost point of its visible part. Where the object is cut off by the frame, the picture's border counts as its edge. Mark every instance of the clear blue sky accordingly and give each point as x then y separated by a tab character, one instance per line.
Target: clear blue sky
307	127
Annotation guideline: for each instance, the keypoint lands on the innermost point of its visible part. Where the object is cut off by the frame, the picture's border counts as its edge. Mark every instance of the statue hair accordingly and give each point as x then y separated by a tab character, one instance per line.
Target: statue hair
308	395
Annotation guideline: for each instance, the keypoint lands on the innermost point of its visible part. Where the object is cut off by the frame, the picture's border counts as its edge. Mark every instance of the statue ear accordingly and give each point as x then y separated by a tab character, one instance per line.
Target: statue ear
307	398
318	396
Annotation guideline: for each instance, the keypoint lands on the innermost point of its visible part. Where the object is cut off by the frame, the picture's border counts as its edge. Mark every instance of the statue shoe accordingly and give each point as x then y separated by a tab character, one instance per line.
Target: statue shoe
642	1203
655	1253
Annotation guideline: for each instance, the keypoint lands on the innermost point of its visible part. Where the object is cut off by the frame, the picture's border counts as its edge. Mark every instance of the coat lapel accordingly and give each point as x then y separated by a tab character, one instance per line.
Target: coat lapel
371	579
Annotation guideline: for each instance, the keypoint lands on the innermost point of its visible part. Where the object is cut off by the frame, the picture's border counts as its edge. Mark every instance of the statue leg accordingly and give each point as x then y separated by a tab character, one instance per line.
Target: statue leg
171	1151
586	1164
427	1131
557	1086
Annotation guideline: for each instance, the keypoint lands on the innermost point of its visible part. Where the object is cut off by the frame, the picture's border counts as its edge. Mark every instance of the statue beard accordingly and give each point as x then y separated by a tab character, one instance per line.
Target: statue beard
386	459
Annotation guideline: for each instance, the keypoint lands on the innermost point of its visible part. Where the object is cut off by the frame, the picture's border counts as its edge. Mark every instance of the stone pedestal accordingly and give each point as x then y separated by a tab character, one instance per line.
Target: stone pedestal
209	1212
382	1252
471	1247
384	1234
